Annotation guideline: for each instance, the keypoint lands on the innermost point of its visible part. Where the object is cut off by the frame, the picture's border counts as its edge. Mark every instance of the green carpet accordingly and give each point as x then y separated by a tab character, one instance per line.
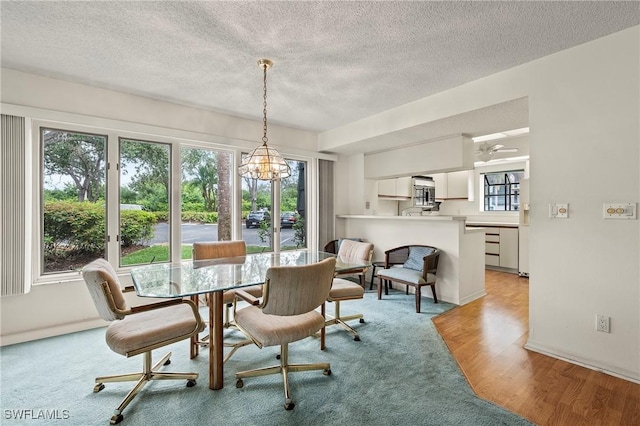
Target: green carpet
400	373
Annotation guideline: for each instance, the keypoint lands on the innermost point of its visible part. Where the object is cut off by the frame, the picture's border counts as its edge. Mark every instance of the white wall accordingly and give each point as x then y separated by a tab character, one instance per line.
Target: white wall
585	135
584	149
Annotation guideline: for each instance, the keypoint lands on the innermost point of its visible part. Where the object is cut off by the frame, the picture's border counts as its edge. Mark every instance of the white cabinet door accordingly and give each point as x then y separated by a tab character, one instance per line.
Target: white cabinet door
404	187
509	248
458	184
387	188
440	180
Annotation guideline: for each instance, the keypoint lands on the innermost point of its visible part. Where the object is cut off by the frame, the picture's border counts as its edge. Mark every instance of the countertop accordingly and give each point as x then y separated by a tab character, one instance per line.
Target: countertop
494	224
380	217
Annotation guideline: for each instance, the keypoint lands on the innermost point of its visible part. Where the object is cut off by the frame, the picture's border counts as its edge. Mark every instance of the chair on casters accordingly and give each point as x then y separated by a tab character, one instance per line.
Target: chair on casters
286	314
343	290
139	330
218	250
411	265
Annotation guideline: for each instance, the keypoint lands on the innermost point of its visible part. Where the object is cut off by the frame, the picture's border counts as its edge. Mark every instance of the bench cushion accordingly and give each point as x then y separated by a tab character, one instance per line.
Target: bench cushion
407	275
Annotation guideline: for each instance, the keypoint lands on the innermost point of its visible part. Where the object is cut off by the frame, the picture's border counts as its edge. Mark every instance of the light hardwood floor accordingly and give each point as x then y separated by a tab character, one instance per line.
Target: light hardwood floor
487	337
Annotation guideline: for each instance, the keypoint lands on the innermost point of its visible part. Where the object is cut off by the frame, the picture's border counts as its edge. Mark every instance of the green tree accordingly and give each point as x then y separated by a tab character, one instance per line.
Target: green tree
150	162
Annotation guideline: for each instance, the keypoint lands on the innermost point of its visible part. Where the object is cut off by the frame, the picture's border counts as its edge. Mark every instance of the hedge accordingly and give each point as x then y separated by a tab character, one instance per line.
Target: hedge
80	227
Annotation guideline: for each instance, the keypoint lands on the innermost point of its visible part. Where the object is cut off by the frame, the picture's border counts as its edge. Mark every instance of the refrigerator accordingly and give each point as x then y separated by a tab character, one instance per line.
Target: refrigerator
523	230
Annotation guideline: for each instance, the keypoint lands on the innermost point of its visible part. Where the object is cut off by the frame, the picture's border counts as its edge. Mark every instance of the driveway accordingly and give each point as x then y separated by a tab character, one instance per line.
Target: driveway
198	232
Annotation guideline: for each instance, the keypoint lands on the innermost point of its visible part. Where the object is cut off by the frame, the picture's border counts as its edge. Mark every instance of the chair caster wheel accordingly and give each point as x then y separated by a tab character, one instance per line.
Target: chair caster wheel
357	338
326	372
191	383
361	320
288	405
239	383
167	362
116	418
98	387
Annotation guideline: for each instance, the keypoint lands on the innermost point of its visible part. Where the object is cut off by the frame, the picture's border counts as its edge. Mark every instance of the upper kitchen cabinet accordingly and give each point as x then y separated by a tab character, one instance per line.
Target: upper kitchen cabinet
395	189
455	185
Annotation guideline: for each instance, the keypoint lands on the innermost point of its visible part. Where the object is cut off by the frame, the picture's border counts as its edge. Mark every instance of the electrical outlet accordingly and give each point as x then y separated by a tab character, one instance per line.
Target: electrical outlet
602	323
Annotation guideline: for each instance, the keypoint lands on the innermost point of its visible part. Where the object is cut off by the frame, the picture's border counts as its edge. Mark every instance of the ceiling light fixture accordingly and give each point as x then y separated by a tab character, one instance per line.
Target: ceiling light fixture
264	163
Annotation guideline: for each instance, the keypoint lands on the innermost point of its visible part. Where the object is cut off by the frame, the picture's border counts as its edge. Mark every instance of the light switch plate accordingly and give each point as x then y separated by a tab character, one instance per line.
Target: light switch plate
559	210
619	210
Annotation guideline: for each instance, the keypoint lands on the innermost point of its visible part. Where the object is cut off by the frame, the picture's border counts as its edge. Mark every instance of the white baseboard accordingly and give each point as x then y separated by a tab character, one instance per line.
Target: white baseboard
583	362
27	336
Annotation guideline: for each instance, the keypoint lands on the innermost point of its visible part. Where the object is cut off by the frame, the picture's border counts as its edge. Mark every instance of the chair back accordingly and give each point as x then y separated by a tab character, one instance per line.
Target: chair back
108	304
356	250
219	249
295	290
431	261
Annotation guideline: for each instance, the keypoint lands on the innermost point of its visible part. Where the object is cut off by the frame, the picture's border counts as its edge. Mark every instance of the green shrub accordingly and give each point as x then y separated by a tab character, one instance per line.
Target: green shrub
136	227
74	227
200	217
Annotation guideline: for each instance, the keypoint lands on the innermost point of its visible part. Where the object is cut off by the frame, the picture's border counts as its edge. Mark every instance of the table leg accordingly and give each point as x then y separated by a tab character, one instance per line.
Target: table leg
216	355
323	329
196	338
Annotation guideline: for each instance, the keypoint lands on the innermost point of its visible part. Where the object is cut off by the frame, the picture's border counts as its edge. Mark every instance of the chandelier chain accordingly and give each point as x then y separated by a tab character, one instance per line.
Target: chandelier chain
264	104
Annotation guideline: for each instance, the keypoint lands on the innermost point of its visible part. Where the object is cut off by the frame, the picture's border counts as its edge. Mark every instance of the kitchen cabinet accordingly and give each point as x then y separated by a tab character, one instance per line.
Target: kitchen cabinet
509	248
454	185
501	246
395	189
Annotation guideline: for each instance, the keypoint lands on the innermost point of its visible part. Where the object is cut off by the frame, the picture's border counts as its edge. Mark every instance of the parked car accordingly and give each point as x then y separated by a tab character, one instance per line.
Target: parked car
256	218
287	219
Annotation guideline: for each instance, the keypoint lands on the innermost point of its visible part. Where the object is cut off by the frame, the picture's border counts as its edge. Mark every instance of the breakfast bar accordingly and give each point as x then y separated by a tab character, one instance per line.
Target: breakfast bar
461	265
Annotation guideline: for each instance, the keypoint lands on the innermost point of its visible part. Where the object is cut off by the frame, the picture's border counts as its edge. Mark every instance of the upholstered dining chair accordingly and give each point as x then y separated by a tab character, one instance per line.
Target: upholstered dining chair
413	266
344	290
139	330
286	314
218	250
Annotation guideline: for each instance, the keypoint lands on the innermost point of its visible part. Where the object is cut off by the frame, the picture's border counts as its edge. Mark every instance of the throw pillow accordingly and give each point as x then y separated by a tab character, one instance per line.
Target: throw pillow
416	257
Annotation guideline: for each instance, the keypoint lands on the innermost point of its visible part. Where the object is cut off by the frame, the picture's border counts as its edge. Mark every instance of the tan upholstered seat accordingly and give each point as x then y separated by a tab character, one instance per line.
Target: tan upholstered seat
287	314
220	250
139	329
343	289
413	266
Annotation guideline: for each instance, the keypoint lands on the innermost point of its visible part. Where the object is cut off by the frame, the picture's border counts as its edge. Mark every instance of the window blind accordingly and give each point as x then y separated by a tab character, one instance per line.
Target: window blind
14	215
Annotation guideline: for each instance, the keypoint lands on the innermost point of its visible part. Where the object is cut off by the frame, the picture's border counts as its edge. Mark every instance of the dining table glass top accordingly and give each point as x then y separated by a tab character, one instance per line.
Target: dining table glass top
191	277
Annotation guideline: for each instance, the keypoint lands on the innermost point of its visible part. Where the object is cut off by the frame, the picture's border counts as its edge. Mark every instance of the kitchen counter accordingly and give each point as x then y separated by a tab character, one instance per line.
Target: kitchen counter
496	224
461	264
389	217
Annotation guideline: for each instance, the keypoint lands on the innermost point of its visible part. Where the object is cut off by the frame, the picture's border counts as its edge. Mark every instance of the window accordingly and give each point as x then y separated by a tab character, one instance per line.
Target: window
502	190
73	195
111	196
144	202
206	197
257	214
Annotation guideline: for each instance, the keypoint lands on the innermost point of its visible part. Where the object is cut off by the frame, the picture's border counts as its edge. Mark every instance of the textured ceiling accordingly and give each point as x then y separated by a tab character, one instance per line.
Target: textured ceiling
335	62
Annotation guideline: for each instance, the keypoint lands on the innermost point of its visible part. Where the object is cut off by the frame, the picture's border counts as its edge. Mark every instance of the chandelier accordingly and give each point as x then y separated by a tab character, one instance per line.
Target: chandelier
264	163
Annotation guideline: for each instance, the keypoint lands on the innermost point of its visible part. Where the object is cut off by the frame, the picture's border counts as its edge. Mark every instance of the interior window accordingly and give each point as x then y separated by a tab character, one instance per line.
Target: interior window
502	190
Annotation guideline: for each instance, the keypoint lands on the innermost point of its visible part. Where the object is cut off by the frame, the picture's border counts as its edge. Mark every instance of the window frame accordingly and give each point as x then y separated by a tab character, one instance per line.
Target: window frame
510	194
115	129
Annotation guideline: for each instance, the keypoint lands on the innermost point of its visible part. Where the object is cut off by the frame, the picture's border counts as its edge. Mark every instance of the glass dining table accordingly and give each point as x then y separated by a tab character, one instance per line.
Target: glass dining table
214	277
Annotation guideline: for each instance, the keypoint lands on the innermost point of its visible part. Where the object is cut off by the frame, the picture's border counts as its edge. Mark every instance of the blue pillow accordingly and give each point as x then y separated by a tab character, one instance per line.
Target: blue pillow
416	257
